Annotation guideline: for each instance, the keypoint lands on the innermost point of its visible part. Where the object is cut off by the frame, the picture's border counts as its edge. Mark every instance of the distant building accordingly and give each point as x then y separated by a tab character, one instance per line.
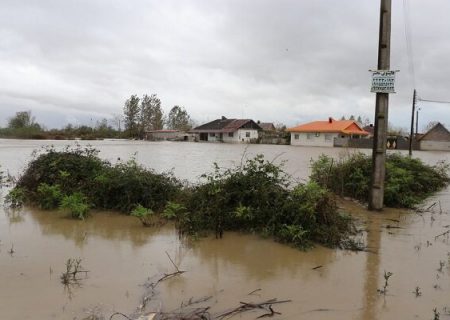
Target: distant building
370	130
435	139
228	130
267	126
159	135
323	133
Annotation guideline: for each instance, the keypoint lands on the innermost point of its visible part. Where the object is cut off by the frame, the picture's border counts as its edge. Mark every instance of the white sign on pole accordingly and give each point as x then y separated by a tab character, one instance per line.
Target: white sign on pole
383	81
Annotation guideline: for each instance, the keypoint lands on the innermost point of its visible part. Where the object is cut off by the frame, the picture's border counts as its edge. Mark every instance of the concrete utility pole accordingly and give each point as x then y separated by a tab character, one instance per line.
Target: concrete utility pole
381	112
411	135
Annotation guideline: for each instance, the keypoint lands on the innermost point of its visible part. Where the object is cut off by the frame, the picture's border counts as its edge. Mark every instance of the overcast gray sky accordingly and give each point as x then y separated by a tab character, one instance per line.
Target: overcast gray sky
270	60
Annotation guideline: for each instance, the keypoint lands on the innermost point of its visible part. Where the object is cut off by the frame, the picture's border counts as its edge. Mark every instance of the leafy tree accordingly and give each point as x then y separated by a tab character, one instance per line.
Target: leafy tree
151	114
23	119
178	119
131	111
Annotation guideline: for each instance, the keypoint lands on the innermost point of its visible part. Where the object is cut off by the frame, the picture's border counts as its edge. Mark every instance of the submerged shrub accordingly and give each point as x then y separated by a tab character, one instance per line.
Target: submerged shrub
408	181
48	197
146	216
117	187
173	210
77	204
15	198
258	197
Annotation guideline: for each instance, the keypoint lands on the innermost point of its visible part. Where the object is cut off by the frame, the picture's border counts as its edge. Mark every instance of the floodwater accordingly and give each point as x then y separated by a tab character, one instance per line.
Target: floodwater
121	256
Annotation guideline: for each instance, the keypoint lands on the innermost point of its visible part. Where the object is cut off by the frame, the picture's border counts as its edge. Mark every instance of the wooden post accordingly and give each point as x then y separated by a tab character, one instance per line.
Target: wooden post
381	112
411	134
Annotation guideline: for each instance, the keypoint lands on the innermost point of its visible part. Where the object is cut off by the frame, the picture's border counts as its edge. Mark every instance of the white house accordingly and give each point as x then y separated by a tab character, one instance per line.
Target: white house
323	133
228	130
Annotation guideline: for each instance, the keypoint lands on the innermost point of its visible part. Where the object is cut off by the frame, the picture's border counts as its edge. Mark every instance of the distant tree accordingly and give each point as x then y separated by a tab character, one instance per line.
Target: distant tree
359	120
343	118
23	119
151	114
117	121
280	127
396	131
352	117
157	122
179	119
131	112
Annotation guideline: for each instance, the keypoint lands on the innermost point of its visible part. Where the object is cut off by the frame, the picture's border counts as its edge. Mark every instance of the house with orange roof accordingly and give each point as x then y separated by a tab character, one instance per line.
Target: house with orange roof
323	133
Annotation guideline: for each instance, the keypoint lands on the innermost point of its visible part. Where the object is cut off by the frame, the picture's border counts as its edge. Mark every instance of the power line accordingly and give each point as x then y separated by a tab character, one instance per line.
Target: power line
409	50
435	101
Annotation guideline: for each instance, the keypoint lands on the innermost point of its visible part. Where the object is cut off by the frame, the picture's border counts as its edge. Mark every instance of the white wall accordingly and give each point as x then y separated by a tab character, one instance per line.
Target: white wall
311	139
242	135
239	136
428	145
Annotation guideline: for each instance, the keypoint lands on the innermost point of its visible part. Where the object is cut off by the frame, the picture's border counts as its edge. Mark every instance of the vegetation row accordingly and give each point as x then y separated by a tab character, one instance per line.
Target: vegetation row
408	181
258	196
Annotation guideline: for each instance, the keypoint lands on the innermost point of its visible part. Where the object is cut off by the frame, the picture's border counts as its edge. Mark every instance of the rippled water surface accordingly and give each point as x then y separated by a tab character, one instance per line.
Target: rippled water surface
121	255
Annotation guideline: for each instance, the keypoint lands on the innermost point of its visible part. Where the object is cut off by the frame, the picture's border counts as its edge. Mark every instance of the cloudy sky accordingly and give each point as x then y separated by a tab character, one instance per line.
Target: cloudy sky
286	61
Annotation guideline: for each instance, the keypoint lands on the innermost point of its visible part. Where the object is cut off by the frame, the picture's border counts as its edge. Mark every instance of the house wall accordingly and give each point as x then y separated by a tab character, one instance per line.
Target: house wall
429	145
313	139
239	136
242	137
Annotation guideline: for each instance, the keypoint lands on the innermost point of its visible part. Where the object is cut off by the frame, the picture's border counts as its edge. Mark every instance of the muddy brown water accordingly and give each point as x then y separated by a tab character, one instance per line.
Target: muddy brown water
121	255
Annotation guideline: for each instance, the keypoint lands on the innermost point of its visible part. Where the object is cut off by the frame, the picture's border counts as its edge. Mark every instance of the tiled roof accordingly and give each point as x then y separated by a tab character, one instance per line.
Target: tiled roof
223	125
267	126
341	126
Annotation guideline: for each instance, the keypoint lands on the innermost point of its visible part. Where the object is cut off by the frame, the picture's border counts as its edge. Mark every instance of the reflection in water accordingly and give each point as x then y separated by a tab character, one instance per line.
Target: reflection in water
108	225
372	272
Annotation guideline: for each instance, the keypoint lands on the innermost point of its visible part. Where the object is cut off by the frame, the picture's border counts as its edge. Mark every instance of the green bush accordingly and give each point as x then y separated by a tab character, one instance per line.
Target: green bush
145	215
117	187
77	204
408	181
48	197
15	198
173	210
258	197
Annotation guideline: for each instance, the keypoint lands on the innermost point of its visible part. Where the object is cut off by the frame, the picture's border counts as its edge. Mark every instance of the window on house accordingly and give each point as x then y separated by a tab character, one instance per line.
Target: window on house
212	134
317	134
247	134
231	134
309	136
296	136
327	137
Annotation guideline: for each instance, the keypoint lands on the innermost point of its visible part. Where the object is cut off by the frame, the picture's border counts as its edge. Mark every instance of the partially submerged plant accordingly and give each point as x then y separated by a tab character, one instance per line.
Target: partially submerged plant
76	204
408	181
173	210
15	198
49	197
72	273
145	215
417	292
387	275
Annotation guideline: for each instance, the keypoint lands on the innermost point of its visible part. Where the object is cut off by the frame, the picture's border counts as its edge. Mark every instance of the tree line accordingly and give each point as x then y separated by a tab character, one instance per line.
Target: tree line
139	116
145	114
